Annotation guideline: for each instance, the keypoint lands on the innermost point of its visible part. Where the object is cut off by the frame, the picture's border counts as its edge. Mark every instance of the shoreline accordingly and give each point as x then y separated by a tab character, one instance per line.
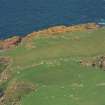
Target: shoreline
15	40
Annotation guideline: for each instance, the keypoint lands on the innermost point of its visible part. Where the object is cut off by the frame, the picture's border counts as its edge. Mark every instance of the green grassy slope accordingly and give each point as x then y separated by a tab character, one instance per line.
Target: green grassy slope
51	64
66	83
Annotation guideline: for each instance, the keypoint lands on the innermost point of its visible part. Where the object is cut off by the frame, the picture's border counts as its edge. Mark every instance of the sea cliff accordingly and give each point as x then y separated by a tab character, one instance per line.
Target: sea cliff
14	41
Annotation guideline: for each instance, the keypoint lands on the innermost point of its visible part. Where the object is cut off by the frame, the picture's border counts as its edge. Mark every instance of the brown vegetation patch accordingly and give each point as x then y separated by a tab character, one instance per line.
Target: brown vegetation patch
5	60
15	91
86	62
5	68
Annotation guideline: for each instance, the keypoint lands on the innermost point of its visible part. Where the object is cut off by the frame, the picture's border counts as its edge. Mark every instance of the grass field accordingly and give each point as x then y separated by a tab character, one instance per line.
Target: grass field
51	65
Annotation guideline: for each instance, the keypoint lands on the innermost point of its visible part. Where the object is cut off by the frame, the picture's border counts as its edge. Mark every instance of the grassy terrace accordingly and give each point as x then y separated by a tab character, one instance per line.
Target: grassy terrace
48	72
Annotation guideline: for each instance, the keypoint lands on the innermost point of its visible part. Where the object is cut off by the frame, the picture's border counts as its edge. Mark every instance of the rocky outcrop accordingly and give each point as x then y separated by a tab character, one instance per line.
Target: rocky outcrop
8	43
100	62
63	29
97	62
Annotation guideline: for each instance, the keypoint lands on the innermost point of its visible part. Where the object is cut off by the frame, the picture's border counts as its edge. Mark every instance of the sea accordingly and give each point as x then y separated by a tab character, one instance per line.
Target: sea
20	17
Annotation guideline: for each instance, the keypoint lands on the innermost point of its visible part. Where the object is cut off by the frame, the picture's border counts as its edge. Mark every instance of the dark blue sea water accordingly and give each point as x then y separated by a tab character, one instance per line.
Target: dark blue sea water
19	17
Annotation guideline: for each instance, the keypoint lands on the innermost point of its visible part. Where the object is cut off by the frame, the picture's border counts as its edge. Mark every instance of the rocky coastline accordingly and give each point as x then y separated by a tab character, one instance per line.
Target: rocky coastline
15	40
